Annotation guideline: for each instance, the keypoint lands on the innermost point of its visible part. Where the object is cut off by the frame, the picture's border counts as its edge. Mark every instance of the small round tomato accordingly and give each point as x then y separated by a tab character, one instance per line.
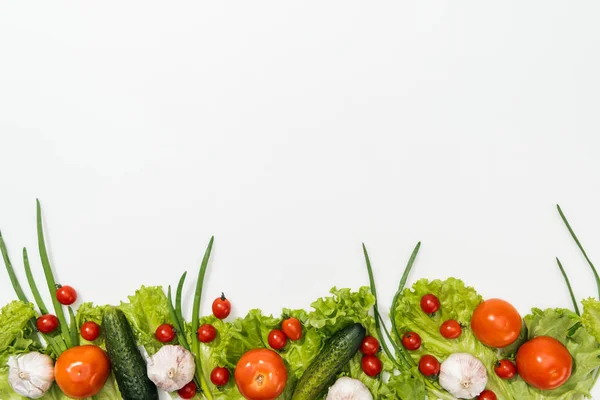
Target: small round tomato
505	369
429	365
450	329
277	339
90	331
544	363
430	303
219	376
371	365
221	307
165	333
81	371
411	341
496	323
487	395
292	328
207	333
188	391
66	295
260	374
369	346
47	323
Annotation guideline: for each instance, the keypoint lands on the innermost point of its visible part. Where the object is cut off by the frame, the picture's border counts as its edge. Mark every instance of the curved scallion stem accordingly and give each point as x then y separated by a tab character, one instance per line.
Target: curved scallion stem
11	272
564	274
34	289
178	308
180	332
401	285
73	328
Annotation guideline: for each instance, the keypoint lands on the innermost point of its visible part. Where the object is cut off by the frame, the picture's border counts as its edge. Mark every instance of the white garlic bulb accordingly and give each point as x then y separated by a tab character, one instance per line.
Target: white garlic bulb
31	374
463	375
171	368
347	388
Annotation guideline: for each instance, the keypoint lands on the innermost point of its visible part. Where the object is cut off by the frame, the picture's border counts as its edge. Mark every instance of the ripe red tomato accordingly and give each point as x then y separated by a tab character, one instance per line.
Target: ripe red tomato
221	307
90	331
496	323
371	365
188	391
219	376
260	375
369	346
430	303
450	329
207	333
429	365
411	341
277	339
292	328
66	295
505	369
165	333
81	371
544	363
47	323
487	395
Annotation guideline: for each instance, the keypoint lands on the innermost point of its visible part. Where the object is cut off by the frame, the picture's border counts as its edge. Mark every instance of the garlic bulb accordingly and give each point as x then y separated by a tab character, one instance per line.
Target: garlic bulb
171	368
463	375
347	388
31	374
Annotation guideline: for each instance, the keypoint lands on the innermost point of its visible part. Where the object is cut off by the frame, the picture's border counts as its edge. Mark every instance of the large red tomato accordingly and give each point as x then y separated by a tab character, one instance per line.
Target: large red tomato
496	323
260	375
81	372
544	363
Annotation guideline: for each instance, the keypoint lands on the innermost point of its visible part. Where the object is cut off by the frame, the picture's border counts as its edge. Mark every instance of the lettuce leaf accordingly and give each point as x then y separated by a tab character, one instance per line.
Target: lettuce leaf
14	318
591	317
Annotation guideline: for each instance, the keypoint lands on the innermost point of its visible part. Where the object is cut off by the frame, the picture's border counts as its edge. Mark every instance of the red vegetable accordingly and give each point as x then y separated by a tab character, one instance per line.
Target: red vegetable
188	391
544	363
371	365
277	339
90	331
429	365
369	346
505	369
292	328
207	333
411	341
219	376
450	329
66	295
47	323
165	333
487	395
430	303
221	307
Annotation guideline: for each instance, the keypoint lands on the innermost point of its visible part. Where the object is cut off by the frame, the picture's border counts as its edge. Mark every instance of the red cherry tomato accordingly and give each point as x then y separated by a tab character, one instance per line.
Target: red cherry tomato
277	339
47	323
221	307
371	365
430	303
292	328
369	346
505	369
165	333
487	395
188	391
450	329
90	331
429	365
411	341
219	376
207	333
66	295
544	363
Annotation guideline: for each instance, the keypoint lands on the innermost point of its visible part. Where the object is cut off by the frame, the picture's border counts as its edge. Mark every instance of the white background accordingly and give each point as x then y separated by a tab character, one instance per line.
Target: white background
293	132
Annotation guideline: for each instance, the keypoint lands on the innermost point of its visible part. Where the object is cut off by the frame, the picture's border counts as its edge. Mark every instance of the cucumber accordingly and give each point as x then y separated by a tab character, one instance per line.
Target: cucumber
335	355
128	364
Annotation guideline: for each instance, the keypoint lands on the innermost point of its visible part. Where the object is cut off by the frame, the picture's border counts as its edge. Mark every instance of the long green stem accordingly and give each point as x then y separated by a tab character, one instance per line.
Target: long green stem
73	328
11	272
564	274
406	359
64	328
401	285
176	323
178	308
32	285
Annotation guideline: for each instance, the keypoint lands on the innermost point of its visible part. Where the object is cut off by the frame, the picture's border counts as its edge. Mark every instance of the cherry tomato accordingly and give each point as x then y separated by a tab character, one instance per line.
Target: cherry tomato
47	323
371	365
544	363
221	307
369	346
219	376
81	371
165	333
430	303
411	341
292	328
66	295
496	323
487	395
260	375
90	331
188	391
429	365
207	333
450	329
277	339
505	369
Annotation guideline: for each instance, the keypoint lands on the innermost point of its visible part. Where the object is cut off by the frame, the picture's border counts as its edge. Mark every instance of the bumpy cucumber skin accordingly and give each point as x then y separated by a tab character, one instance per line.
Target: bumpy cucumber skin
128	364
332	359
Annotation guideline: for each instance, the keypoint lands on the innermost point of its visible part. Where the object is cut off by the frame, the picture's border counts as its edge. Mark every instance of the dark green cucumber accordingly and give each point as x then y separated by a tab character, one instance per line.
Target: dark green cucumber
128	364
335	355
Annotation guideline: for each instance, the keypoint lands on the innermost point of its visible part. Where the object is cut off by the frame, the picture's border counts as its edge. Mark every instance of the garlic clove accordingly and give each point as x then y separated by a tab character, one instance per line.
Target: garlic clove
463	375
346	388
171	368
31	375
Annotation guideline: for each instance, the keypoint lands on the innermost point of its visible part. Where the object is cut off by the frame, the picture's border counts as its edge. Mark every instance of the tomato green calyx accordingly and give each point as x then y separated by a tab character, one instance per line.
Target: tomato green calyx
223	296
260	379
58	285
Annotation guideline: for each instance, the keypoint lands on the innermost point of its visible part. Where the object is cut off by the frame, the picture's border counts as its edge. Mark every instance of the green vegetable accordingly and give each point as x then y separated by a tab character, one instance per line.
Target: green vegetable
127	362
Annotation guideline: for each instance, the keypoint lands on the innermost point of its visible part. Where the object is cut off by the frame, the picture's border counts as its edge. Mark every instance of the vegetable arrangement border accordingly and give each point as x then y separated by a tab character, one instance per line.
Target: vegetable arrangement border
442	341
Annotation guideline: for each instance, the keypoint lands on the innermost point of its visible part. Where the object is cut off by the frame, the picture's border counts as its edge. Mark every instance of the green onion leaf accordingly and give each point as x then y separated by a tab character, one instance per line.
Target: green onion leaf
564	274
